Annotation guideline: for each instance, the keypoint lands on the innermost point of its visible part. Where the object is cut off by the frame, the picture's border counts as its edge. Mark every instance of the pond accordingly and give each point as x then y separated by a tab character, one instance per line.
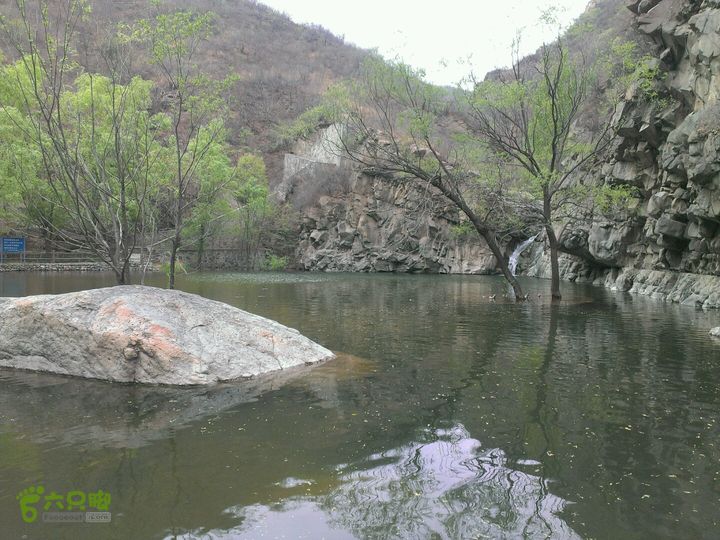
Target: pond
447	415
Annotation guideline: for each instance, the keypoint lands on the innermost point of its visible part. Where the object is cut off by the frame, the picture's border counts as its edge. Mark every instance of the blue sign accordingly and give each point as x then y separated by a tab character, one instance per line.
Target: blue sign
12	245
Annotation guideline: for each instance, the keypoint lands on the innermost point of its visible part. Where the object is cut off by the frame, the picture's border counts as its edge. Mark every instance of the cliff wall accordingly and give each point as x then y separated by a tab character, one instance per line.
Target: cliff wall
666	243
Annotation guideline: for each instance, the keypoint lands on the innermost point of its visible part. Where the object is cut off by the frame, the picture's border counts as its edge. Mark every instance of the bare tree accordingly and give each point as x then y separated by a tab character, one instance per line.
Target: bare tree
404	130
526	115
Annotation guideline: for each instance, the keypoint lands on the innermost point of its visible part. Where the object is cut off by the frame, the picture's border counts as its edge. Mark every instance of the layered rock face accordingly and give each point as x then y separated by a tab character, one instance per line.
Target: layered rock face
386	228
670	149
668	243
146	335
356	223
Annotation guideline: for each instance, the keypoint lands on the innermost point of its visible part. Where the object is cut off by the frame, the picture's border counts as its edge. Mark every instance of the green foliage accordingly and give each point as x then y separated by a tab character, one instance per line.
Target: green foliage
211	203
301	128
108	134
625	66
250	190
623	55
165	268
255	210
648	74
171	37
103	168
611	199
197	105
173	40
539	112
418	103
305	125
464	229
275	263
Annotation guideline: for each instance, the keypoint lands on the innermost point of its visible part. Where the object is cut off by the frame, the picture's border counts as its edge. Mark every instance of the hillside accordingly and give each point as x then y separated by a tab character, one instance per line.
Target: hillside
283	67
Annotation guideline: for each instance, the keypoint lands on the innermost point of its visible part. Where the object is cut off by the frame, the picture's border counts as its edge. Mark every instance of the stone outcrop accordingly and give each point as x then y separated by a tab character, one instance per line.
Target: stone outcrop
146	335
387	228
353	222
697	290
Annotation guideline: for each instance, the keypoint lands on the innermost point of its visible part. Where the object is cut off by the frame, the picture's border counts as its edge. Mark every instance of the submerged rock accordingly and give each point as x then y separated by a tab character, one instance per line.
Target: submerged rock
146	335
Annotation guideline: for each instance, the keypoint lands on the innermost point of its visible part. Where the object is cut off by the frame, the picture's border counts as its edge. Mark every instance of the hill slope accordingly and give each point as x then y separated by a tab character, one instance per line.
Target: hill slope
284	67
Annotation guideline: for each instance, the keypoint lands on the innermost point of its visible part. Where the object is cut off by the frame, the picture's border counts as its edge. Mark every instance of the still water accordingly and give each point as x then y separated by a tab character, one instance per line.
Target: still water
447	415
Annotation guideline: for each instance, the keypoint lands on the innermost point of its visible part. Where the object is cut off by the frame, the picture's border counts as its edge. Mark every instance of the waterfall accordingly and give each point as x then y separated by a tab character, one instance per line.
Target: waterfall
512	263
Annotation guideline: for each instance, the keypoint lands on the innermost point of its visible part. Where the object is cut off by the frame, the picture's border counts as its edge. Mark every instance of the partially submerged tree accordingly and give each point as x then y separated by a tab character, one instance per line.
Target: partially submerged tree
526	115
403	129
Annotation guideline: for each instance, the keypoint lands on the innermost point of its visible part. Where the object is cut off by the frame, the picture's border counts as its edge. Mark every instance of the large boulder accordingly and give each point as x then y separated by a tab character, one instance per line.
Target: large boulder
146	335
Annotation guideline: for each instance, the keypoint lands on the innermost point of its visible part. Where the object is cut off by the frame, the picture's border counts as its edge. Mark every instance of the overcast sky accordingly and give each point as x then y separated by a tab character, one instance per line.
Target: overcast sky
426	34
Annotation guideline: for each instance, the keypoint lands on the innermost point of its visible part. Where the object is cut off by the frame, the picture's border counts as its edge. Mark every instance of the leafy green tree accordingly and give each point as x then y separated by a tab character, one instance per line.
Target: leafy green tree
195	105
254	206
20	164
212	204
94	135
526	115
27	199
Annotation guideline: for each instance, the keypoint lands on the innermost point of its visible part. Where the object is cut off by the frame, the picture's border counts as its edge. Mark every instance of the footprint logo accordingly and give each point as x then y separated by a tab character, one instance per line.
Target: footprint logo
28	497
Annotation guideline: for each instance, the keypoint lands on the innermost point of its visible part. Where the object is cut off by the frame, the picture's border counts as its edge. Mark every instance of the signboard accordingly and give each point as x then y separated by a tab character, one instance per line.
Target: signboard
13	245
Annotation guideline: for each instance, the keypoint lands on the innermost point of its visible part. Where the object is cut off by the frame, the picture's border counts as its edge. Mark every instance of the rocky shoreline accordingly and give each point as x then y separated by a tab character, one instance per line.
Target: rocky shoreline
688	289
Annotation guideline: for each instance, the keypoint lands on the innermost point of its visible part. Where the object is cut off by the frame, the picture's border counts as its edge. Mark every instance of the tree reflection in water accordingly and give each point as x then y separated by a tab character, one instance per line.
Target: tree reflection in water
442	486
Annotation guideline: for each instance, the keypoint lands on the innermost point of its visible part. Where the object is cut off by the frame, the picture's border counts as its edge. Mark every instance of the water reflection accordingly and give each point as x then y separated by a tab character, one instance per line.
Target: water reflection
95	414
443	485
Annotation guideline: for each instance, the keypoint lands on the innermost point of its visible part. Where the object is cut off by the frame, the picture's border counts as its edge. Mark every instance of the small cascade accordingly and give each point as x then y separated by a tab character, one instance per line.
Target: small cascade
512	263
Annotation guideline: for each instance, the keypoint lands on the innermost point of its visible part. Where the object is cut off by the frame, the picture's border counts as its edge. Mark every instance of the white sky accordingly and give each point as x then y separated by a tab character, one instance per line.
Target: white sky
426	33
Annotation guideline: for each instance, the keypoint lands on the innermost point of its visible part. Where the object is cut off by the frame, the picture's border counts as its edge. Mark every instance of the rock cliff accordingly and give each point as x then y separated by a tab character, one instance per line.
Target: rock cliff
666	243
353	222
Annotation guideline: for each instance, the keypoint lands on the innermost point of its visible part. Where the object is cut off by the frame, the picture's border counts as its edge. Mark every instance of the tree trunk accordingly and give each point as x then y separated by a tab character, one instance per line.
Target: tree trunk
173	259
121	275
201	247
553	242
489	235
503	264
554	266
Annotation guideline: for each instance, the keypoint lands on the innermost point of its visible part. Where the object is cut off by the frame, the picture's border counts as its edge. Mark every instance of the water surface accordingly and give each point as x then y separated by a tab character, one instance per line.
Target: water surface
447	415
